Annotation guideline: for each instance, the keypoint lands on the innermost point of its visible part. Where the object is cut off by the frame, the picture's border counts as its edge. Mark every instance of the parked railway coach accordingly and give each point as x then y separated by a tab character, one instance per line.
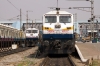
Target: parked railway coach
32	36
58	33
9	36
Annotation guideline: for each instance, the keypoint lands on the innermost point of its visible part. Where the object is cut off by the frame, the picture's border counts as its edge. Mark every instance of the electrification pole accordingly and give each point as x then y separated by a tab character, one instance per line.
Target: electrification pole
20	19
86	31
20	27
35	23
97	27
32	23
27	20
57	3
75	20
92	14
75	17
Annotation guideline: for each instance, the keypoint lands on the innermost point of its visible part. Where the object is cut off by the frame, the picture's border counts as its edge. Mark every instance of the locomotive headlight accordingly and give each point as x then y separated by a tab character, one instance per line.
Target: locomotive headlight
46	27
68	27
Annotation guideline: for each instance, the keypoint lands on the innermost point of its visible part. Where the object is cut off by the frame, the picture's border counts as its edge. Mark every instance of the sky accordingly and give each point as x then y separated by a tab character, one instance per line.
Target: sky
10	9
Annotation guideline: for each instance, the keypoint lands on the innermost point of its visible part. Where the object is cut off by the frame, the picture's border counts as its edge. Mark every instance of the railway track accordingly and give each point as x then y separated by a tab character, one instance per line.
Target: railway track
5	53
58	61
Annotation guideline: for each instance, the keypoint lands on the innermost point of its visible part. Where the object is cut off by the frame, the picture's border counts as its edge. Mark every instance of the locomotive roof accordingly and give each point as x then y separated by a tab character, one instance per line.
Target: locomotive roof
60	12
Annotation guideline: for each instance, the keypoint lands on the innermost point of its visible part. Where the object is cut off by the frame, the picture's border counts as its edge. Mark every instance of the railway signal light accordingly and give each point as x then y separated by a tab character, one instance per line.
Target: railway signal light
92	19
89	20
81	26
57	9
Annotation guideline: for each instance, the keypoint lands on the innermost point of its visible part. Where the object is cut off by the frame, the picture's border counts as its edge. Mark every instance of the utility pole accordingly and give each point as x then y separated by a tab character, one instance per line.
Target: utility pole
32	23
75	21
20	27
20	19
57	3
92	14
27	21
97	27
35	23
75	17
27	18
92	19
86	31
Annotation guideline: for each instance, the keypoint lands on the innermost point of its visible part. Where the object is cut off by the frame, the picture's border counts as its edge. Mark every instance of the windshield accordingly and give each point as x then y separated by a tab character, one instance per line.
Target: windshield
65	19
31	31
50	19
28	31
34	31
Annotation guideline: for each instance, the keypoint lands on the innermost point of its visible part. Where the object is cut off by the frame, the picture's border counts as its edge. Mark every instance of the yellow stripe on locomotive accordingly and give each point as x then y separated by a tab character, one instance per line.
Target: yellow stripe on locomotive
67	28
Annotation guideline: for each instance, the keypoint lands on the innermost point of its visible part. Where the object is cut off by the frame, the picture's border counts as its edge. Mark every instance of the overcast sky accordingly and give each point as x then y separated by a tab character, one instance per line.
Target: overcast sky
39	7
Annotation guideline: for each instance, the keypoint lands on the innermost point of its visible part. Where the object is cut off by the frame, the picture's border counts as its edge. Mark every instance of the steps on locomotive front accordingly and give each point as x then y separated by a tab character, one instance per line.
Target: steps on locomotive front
88	50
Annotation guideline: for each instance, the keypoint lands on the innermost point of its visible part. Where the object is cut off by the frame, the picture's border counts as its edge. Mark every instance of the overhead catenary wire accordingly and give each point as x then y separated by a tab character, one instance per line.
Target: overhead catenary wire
57	3
6	19
13	5
16	7
14	17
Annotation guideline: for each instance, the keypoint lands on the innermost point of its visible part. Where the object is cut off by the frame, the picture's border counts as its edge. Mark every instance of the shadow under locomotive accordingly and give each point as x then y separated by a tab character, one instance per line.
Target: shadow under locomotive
57	44
31	42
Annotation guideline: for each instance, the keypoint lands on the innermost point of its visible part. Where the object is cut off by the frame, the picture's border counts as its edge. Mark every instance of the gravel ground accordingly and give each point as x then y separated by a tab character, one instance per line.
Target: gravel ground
17	58
26	58
78	61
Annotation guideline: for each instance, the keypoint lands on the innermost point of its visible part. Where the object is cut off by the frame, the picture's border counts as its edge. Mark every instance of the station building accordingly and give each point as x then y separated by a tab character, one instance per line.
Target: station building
85	28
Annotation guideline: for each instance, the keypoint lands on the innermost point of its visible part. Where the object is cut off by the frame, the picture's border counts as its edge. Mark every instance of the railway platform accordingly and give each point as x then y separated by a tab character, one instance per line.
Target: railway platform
88	50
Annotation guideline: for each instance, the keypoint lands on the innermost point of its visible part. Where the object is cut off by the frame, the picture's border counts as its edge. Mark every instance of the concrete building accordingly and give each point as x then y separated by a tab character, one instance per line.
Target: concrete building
86	28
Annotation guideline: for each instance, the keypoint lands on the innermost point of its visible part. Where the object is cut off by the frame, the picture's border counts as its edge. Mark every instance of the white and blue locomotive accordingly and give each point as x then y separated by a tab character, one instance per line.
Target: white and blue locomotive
32	36
58	33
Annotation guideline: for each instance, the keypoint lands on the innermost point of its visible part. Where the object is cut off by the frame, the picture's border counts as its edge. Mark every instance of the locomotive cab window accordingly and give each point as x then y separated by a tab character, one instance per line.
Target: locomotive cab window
28	31
65	19
34	31
50	19
31	31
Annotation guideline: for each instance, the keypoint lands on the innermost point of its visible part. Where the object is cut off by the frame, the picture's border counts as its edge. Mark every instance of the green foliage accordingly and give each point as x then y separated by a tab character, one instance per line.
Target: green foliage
95	63
25	63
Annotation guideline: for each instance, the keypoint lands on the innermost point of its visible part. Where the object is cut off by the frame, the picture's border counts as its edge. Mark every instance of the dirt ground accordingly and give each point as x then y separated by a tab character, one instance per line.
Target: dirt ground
17	58
27	58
